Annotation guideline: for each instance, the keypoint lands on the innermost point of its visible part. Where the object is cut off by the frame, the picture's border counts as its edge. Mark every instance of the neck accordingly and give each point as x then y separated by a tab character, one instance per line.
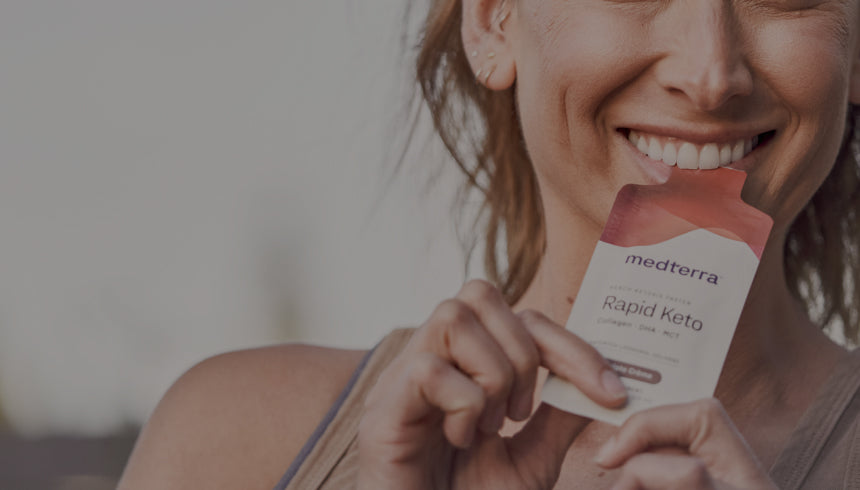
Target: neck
776	347
562	268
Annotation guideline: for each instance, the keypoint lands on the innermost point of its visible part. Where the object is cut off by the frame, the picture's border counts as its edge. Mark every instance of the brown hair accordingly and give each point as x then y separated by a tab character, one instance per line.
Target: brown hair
822	253
480	129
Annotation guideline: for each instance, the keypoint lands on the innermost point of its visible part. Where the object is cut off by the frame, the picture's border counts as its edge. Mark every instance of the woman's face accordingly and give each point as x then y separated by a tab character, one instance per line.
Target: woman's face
608	89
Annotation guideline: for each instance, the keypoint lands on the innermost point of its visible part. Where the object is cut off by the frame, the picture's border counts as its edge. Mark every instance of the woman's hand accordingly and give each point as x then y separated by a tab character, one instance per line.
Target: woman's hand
713	454
432	420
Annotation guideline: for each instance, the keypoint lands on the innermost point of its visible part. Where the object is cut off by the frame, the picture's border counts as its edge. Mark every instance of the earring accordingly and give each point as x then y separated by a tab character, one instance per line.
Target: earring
484	71
488	73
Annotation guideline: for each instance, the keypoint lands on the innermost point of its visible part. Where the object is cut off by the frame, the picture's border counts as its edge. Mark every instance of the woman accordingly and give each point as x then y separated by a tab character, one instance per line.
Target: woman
558	87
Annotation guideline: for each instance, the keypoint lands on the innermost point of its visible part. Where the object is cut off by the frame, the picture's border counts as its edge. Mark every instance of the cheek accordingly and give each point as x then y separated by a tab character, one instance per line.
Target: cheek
809	75
568	63
576	56
807	64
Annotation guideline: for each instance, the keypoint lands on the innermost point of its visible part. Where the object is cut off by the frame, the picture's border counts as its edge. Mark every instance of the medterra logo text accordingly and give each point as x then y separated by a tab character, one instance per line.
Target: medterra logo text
672	267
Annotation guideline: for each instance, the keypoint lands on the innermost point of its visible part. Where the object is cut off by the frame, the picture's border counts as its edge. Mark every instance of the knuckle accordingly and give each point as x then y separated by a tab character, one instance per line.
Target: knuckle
629	473
636	422
480	290
452	312
531	316
526	360
425	368
695	473
637	430
498	384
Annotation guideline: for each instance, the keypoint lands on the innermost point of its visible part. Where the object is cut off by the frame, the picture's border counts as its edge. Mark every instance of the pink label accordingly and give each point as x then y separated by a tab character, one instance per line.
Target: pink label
664	290
689	200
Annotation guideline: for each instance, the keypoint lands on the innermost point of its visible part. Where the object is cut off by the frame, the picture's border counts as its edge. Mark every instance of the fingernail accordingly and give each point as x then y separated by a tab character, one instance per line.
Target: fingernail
524	407
605	451
499	421
612	384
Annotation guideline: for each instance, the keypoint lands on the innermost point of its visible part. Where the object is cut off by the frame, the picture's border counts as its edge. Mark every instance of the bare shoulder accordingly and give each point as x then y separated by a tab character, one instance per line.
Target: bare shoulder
237	420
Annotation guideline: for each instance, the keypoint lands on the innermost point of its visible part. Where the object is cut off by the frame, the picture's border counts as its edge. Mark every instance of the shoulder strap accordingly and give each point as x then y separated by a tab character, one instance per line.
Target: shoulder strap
817	424
332	439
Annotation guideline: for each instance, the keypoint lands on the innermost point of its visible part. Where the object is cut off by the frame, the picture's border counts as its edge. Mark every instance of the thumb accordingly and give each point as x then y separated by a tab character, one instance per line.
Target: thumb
538	450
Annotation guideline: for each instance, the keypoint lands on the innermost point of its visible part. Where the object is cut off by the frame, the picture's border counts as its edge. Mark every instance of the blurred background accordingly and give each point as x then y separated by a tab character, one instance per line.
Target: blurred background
184	177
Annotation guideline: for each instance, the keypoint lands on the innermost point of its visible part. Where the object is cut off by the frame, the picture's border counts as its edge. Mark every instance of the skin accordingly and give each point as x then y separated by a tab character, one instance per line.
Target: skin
236	420
585	72
456	409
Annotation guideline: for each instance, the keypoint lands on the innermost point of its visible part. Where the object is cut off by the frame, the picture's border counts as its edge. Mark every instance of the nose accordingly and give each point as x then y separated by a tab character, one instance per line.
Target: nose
704	59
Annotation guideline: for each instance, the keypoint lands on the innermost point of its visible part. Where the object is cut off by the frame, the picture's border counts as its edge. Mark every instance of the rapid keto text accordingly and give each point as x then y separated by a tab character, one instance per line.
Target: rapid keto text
668	314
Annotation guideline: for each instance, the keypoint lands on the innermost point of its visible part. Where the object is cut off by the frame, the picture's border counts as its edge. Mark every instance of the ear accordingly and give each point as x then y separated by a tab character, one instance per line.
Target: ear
486	32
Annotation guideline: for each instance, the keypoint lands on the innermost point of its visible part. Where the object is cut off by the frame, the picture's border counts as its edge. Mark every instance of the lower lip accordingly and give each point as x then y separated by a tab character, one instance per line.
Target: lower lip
658	172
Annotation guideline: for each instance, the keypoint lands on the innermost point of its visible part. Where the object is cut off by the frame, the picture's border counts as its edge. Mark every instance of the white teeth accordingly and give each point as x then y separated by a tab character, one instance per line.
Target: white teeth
725	155
633	137
655	150
688	155
738	151
670	155
642	144
709	157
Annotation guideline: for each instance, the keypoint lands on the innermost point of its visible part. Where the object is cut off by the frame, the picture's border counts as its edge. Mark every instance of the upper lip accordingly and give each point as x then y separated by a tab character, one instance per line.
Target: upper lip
695	135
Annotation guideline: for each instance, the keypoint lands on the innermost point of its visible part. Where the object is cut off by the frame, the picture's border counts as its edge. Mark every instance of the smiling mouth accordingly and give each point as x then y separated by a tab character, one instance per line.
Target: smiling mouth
688	155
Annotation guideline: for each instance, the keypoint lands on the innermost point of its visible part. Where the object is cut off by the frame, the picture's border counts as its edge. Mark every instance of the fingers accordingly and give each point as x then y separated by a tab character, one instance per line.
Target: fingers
475	361
702	428
507	330
695	426
575	360
456	335
542	444
527	340
664	472
441	385
410	395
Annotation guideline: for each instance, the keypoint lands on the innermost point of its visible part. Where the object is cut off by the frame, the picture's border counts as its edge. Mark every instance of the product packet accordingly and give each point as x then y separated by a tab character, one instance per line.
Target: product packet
664	289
